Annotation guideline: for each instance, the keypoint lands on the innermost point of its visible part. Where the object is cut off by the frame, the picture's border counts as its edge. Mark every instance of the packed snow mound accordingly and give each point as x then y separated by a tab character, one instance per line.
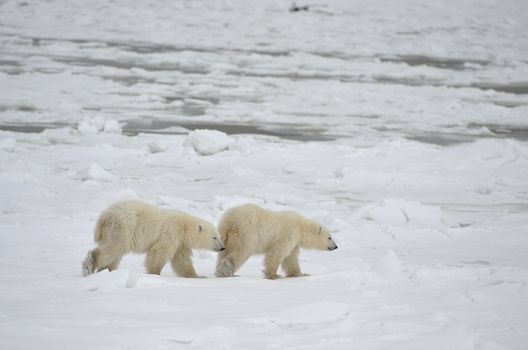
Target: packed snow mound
96	173
7	144
96	125
157	147
206	142
105	280
389	264
500	151
400	211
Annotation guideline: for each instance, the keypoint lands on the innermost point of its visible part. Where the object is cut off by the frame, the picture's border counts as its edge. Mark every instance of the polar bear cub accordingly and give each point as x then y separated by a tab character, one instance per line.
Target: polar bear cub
248	230
165	235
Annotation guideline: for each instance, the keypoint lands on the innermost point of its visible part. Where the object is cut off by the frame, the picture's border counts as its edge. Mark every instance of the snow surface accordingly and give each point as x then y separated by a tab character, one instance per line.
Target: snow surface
401	125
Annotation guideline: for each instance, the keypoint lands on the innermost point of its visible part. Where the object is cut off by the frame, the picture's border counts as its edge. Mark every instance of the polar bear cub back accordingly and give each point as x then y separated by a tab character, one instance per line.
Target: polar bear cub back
248	230
165	235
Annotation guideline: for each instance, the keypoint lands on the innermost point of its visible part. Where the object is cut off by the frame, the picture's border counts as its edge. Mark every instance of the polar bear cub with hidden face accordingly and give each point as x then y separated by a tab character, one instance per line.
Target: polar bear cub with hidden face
165	235
248	230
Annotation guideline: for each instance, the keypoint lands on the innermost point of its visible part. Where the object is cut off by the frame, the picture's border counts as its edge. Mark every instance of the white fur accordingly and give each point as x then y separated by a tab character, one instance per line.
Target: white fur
88	265
165	235
248	230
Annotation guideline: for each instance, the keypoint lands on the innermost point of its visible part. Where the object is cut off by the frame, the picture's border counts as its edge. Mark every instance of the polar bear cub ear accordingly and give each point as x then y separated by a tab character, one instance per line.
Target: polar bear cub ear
200	228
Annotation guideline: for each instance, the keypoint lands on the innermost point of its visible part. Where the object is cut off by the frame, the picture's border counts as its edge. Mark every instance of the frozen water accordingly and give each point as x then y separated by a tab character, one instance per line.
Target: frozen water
97	124
308	315
398	211
96	173
7	144
207	142
401	125
389	264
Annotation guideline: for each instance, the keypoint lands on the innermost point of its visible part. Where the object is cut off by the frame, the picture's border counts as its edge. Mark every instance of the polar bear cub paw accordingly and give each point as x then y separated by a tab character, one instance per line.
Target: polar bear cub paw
225	268
88	265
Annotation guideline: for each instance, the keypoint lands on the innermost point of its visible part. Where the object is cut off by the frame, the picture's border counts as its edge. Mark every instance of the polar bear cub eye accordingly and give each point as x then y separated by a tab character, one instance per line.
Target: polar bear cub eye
200	228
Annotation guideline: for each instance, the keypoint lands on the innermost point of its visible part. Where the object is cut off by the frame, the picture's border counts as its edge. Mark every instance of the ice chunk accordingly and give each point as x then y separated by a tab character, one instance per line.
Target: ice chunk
96	125
112	127
206	142
157	147
96	173
242	146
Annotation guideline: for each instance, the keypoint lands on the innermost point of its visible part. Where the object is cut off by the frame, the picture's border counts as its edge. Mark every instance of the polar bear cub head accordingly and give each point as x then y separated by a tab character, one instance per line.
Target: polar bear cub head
205	236
318	237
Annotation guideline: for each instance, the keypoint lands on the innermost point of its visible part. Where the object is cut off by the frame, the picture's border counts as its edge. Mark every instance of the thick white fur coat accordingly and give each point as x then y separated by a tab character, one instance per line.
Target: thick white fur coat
165	235
247	230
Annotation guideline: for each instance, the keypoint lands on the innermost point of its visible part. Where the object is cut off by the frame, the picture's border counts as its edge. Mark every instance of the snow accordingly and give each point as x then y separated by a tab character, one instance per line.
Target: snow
308	314
96	173
156	147
207	142
389	264
95	125
399	211
400	125
7	144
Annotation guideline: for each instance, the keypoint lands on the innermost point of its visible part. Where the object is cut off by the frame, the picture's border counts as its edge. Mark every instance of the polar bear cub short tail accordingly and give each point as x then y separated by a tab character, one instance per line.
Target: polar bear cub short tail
165	235
248	230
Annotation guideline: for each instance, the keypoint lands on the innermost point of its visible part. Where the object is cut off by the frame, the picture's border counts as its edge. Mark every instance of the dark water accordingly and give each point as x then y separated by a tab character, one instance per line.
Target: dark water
447	139
166	127
295	132
291	132
119	69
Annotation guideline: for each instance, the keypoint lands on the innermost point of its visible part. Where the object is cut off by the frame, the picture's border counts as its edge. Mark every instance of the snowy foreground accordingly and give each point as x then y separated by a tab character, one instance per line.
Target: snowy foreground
401	125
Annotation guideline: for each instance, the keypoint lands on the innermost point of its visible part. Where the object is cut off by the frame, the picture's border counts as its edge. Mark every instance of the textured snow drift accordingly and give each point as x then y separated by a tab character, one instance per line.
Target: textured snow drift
412	117
407	273
397	211
96	173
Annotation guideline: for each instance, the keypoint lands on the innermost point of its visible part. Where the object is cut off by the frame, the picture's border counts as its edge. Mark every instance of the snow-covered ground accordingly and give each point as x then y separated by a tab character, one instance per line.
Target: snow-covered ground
401	125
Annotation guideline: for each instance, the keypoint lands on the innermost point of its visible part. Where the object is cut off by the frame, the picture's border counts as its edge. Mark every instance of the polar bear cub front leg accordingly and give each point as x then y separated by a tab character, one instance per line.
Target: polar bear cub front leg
290	265
89	264
157	257
182	265
275	256
224	267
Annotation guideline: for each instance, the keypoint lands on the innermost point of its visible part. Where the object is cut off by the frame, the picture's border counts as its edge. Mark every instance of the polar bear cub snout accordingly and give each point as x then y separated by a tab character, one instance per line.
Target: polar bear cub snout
218	246
331	244
325	235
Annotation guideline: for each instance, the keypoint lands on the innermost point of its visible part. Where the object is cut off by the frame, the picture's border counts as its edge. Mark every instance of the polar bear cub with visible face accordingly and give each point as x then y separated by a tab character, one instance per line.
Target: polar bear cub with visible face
248	230
165	235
